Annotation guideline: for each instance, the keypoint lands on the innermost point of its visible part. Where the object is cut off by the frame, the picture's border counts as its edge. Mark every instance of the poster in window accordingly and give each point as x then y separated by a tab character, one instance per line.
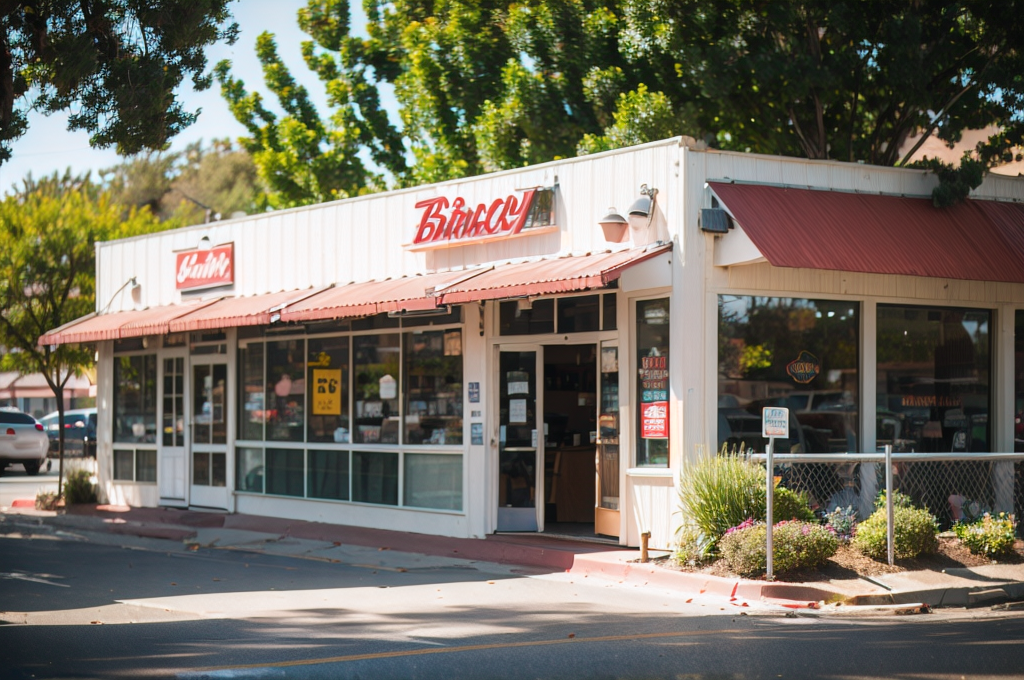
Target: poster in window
517	410
326	392
453	343
654	420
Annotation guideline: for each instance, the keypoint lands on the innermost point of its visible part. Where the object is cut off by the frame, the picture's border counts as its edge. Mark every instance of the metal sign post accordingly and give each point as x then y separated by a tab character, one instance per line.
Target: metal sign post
774	423
890	519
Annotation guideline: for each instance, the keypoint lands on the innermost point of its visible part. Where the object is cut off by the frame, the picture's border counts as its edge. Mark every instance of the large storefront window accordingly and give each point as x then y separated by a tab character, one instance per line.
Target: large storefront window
135	399
328	416
376	397
652	341
800	354
934	387
433	387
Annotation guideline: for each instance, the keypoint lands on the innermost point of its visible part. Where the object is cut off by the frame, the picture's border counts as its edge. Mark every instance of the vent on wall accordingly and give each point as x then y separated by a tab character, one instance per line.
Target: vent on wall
714	220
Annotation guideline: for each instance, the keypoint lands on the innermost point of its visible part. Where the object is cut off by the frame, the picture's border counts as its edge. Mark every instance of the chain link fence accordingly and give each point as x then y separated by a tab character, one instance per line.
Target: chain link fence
953	487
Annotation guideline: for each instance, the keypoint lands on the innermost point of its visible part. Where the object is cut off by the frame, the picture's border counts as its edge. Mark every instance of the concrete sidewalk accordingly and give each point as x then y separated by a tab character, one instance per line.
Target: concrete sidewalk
537	553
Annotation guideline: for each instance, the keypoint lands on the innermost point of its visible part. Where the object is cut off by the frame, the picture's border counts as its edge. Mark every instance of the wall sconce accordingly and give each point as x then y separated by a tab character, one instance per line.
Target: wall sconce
204	243
136	292
641	215
614	226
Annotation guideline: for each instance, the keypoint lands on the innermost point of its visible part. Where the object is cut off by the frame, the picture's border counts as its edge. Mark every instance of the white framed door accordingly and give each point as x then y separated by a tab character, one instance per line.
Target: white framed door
520	440
607	457
209	432
172	453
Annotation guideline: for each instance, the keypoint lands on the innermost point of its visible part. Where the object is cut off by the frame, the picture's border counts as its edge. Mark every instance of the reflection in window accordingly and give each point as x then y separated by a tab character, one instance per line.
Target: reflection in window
800	354
249	470
328	390
433	387
652	340
377	369
933	378
286	390
252	394
524	317
1018	408
284	472
135	399
579	314
375	477
328	474
433	481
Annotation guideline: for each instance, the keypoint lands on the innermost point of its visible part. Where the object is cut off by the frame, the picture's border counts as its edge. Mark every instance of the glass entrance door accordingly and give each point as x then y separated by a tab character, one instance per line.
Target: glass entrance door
519	446
606	512
209	434
173	466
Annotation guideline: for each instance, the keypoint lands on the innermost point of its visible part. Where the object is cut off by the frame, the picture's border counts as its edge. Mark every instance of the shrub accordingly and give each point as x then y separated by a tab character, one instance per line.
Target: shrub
795	545
915	532
842	522
78	488
718	492
46	500
899	500
991	536
789	504
691	546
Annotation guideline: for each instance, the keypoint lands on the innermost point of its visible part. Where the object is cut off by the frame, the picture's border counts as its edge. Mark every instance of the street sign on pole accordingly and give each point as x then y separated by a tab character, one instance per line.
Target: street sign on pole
774	423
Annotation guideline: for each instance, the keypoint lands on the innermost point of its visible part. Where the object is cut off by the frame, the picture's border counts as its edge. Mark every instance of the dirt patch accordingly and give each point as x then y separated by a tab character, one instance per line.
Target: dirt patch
848	563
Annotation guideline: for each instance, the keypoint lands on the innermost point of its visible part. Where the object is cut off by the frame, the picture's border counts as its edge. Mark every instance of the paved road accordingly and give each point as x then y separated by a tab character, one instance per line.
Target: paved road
82	606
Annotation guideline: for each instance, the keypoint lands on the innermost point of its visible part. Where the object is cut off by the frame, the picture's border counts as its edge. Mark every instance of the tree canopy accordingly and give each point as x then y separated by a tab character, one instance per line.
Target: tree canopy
484	86
113	64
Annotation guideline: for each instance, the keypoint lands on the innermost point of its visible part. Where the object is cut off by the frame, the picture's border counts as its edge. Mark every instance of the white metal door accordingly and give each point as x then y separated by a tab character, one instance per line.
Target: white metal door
209	432
172	453
520	440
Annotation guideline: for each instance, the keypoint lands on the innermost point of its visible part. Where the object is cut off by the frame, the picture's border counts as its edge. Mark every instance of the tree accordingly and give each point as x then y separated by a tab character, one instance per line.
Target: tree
47	273
485	86
115	64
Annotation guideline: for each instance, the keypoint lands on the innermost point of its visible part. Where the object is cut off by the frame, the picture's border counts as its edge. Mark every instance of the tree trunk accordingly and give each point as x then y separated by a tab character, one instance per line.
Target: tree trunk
59	393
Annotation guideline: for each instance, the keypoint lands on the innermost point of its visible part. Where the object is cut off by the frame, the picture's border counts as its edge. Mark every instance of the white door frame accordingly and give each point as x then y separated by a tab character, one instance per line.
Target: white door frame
201	495
168	455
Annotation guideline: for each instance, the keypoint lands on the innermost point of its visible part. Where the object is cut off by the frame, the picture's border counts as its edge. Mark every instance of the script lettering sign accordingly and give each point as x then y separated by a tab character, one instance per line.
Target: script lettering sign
198	269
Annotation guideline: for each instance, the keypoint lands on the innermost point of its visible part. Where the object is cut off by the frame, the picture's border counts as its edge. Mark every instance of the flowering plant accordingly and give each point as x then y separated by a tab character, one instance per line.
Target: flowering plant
992	536
842	522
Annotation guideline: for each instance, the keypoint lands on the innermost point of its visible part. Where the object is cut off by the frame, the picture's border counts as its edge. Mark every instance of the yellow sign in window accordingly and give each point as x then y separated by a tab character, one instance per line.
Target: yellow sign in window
327	392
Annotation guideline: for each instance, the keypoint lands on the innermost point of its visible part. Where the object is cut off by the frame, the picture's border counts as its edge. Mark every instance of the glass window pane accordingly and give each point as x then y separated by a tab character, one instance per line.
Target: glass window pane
611	311
433	387
376	388
800	354
608	428
219	400
218	469
579	314
285	471
525	317
135	399
202	404
652	339
249	472
381	321
934	386
375	477
124	465
328	474
455	316
286	390
252	393
200	468
433	481
145	466
1018	408
328	390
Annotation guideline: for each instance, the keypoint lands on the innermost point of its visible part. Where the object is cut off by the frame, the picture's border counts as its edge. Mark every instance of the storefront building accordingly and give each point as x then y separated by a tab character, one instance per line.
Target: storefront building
505	353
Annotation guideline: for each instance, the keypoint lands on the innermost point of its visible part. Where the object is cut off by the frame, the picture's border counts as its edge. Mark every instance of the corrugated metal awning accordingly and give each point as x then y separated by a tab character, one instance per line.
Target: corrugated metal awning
97	327
409	293
814	229
254	310
547	277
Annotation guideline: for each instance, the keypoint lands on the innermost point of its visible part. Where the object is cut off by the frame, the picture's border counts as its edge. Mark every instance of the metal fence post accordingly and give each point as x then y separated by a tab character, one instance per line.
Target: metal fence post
890	520
769	488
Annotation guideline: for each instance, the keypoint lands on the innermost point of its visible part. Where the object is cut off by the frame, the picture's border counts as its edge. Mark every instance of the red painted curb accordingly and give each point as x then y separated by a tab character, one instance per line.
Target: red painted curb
23	503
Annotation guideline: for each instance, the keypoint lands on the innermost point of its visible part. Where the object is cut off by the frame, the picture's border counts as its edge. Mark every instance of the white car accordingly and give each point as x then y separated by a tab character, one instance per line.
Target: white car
22	440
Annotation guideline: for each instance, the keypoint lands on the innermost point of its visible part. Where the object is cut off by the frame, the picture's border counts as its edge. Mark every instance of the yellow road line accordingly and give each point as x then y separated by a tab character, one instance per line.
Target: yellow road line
465	648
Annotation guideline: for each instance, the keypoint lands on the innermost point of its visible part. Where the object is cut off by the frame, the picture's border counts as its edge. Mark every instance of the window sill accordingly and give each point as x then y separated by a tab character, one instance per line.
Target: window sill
655	472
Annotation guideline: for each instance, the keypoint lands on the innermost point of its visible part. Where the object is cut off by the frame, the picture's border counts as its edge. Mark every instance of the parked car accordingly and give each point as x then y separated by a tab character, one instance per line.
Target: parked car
22	440
79	431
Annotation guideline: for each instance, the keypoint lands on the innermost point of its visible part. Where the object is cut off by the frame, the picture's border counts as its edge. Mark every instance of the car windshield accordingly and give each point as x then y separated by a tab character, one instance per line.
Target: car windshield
10	418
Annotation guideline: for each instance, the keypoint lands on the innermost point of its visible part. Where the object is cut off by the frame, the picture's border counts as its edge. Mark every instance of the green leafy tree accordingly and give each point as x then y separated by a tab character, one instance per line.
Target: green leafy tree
113	64
47	273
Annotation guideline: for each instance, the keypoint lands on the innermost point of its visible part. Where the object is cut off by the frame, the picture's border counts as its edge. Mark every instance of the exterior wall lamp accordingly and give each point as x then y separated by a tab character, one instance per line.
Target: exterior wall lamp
640	217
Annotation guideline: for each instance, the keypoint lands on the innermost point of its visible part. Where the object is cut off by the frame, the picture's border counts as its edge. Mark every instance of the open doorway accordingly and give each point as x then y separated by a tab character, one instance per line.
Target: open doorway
570	438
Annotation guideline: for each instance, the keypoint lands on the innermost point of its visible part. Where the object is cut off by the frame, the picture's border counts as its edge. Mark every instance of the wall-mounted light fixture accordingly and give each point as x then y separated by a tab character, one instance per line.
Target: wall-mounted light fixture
136	293
204	243
640	217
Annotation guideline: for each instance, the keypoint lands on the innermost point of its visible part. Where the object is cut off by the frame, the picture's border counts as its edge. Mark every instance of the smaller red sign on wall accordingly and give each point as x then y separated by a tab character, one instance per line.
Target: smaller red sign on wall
654	420
197	269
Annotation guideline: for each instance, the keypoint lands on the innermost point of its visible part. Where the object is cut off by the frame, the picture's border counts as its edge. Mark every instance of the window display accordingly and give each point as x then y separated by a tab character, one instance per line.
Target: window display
433	387
327	377
252	393
377	369
652	339
135	399
286	390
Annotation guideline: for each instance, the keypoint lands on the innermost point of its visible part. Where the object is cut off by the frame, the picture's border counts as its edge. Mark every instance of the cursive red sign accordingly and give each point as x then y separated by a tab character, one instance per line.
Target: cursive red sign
454	221
197	269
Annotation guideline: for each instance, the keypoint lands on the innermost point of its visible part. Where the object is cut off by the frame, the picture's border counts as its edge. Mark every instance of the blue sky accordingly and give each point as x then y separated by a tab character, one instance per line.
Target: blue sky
49	147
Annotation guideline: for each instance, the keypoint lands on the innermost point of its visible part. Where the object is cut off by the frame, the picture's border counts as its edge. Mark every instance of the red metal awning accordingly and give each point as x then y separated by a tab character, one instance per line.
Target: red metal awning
546	277
408	293
97	327
976	240
254	310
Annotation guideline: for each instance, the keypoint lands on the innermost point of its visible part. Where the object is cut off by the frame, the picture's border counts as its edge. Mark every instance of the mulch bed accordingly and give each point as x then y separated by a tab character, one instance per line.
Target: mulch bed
848	563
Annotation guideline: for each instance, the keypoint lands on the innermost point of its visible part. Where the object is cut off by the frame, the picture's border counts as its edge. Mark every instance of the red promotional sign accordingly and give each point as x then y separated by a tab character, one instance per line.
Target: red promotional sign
654	420
197	269
444	222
